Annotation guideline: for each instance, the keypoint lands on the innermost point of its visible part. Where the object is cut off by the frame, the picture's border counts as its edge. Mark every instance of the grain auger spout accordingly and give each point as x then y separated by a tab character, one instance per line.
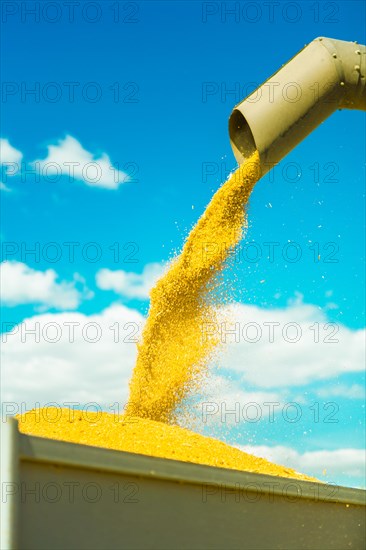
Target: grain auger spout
326	75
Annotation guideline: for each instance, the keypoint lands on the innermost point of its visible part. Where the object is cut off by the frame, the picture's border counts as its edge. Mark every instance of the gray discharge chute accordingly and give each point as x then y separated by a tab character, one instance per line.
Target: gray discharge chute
325	76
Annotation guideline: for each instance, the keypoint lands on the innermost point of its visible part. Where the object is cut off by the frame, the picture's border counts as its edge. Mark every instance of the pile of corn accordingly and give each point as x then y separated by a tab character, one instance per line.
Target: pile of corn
143	436
172	355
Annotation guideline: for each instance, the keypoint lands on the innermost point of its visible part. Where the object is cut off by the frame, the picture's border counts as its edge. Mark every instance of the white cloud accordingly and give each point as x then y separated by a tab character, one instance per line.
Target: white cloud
8	154
10	159
21	284
129	284
69	157
224	402
72	368
277	360
321	464
355	391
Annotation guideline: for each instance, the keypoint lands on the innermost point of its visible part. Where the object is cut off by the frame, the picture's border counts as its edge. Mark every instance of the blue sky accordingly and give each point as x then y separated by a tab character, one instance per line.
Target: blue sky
151	87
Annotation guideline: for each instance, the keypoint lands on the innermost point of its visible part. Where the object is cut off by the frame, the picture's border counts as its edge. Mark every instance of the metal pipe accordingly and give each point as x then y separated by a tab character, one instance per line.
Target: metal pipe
326	75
